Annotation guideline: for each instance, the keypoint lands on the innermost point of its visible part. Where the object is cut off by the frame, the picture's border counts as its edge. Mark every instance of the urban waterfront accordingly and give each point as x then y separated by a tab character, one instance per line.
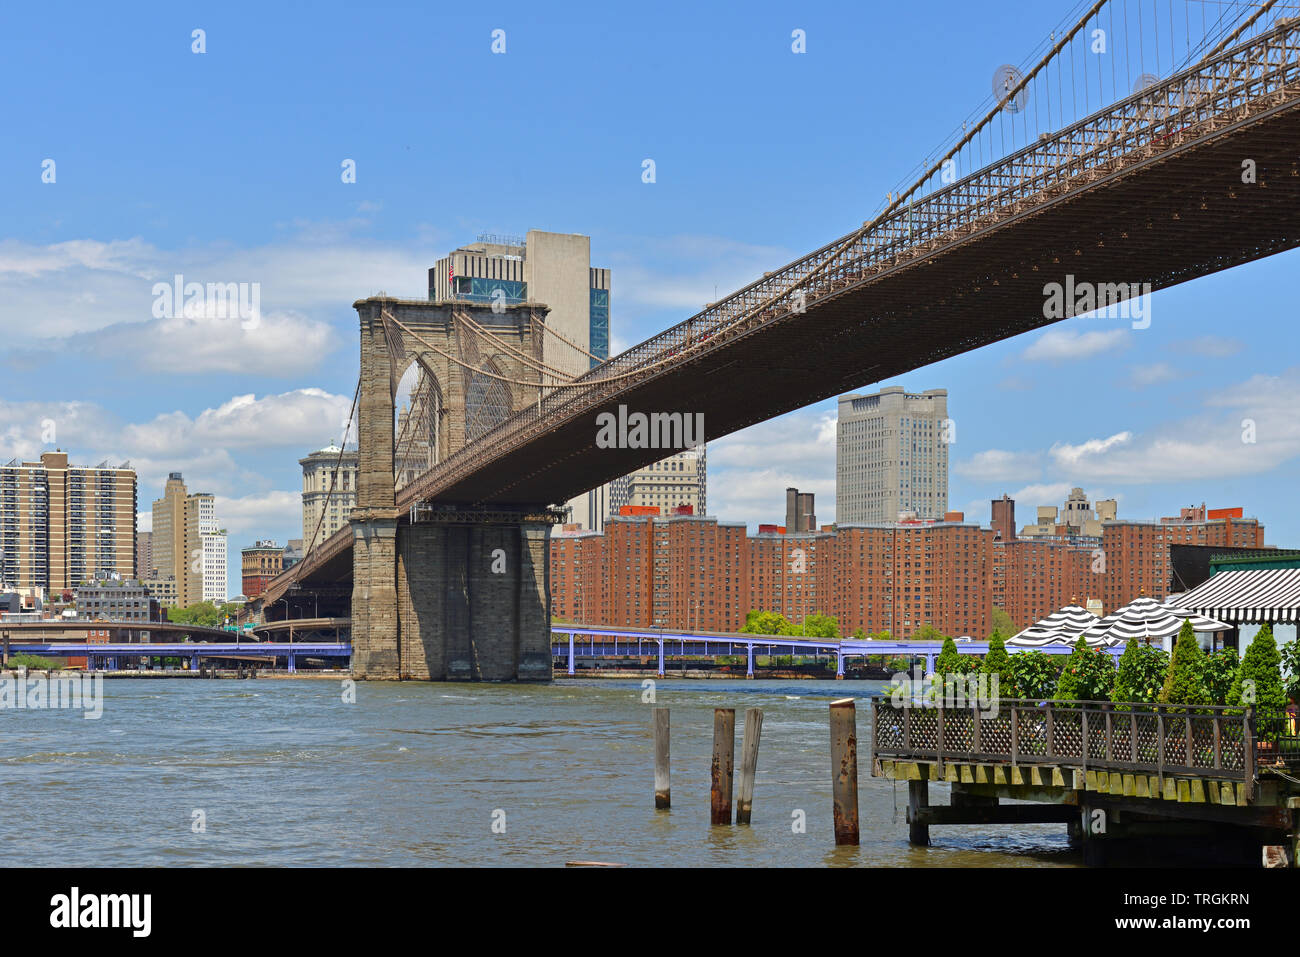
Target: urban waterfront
286	773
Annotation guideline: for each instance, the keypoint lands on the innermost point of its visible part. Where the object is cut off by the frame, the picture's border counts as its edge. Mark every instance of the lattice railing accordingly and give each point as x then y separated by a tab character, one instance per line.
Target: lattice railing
1210	741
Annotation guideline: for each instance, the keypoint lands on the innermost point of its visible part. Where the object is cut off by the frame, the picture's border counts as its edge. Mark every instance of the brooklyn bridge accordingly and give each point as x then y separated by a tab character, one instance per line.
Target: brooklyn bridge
443	569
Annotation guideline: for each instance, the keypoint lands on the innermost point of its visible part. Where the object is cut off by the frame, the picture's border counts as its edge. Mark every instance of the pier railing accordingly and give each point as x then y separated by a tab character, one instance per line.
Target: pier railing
1203	741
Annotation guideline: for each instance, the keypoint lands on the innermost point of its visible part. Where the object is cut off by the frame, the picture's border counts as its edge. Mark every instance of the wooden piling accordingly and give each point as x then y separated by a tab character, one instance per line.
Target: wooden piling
844	764
663	786
748	763
724	756
918	797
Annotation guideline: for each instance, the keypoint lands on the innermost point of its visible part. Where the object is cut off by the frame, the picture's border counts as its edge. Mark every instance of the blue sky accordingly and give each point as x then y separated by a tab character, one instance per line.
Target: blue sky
225	167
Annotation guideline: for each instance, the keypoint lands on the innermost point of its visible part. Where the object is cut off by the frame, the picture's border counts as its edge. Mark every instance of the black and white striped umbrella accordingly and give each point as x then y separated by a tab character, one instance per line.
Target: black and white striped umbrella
1060	627
1146	619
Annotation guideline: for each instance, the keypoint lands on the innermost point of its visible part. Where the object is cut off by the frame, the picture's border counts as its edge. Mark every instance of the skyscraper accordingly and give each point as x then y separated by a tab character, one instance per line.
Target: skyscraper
550	268
189	544
61	525
322	470
678	480
891	456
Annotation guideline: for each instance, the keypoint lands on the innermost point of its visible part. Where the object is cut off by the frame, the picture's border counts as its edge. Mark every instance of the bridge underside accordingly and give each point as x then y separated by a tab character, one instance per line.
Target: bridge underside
1178	215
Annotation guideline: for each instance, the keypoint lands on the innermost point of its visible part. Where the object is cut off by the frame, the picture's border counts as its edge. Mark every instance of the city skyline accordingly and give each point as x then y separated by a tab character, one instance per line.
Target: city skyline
1152	417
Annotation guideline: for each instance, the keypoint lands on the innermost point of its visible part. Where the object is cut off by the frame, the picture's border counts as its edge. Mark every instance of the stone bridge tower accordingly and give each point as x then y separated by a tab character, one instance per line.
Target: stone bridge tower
445	594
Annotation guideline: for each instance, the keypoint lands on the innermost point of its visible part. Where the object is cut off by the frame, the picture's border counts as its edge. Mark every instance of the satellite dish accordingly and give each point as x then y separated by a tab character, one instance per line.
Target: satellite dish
1144	81
1005	79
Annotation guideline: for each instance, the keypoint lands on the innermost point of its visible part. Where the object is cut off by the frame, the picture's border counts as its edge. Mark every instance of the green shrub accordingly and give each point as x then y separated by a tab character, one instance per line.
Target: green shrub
1290	655
1259	683
1033	675
34	662
1088	675
1184	683
1141	673
950	660
998	662
1219	674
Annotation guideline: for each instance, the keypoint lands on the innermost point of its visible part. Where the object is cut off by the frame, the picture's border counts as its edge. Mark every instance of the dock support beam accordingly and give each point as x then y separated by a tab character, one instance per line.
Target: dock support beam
918	796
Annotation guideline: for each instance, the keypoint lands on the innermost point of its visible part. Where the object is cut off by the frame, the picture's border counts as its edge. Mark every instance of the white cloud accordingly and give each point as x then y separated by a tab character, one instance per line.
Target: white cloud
750	470
1215	347
1059	345
1148	374
253	514
1070	456
998	465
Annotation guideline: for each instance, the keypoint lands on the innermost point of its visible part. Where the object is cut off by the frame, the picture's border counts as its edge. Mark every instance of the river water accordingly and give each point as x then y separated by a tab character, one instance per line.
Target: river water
285	772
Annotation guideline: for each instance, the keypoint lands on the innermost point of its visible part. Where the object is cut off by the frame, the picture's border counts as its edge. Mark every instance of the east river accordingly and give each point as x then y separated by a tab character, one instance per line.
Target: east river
182	772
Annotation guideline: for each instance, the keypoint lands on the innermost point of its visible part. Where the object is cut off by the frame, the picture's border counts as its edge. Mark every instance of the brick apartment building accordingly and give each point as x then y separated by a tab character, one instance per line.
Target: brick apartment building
694	572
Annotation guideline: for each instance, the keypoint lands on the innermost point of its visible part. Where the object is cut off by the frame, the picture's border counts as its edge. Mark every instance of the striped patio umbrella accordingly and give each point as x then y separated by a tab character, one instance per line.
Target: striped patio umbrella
1063	626
1147	619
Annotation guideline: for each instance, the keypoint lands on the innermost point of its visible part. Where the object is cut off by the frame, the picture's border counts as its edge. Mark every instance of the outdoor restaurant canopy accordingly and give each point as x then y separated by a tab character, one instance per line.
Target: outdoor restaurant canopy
1060	627
1247	596
1146	618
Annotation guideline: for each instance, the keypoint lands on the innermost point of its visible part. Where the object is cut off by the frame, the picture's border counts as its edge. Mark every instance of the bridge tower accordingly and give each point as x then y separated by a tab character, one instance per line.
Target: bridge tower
445	590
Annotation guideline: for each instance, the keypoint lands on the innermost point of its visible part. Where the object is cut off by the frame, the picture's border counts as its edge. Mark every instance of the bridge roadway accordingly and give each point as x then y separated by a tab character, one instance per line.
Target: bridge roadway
1147	191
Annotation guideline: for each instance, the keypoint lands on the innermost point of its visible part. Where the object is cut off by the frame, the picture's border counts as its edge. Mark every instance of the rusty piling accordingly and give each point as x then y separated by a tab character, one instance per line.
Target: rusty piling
844	764
748	763
724	755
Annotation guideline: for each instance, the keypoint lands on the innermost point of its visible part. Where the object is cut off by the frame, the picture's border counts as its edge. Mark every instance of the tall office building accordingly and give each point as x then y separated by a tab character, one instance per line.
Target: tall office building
61	525
143	554
679	480
189	545
550	268
800	512
322	470
891	456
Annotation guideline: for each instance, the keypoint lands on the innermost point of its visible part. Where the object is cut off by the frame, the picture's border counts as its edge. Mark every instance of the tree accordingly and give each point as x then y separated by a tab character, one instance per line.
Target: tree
1088	675
1290	655
1033	674
950	660
818	625
1219	674
203	614
1002	622
1141	673
927	632
1184	682
998	662
766	623
1259	683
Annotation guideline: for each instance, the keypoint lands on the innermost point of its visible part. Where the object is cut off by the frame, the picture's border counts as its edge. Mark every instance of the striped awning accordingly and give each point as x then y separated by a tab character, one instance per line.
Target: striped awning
1145	618
1249	596
1060	627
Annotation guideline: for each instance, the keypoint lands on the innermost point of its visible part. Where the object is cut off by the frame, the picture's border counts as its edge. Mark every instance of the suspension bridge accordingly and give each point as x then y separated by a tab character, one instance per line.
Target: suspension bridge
1145	144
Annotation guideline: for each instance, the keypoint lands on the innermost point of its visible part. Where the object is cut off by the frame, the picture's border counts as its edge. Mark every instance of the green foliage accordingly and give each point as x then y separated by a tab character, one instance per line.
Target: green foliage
927	632
1290	655
1033	675
1219	674
1088	675
950	660
203	614
898	664
1141	673
859	634
998	662
884	635
818	625
1184	682
34	662
1259	683
1002	623
766	623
